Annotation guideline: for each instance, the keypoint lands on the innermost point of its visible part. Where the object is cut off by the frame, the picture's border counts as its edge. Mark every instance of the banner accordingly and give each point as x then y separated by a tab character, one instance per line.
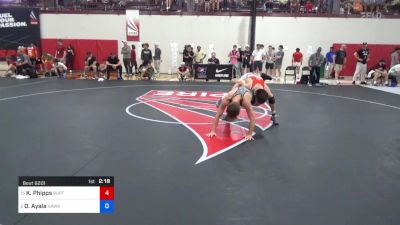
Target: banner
18	27
132	25
213	71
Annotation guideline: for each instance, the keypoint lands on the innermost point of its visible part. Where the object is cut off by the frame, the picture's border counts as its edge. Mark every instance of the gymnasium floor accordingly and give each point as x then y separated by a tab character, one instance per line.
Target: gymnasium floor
334	159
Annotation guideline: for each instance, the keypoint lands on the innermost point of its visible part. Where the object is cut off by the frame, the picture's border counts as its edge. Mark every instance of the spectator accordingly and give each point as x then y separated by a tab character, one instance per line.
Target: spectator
246	56
11	67
70	58
47	60
395	57
340	60
362	56
394	72
278	61
114	64
268	6
133	59
199	56
90	64
329	62
207	5
59	69
314	62
234	55
297	60
188	56
146	55
179	5
196	5
60	51
270	61
213	59
146	72
215	5
309	6
379	71
257	58
240	60
24	65
33	54
126	57
295	6
102	70
183	72
157	58
168	4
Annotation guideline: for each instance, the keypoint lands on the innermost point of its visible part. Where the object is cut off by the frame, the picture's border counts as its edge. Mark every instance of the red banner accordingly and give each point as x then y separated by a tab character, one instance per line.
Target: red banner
132	25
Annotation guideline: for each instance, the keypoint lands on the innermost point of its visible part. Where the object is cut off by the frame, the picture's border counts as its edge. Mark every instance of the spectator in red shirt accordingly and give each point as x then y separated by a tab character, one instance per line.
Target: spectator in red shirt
33	54
297	60
183	72
309	7
61	53
133	58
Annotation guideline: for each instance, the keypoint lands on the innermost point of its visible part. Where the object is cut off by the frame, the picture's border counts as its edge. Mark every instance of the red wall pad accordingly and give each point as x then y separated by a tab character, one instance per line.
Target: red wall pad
377	52
100	48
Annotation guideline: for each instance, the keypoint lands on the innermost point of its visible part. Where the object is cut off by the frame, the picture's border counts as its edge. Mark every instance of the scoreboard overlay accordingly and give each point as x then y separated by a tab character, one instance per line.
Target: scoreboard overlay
61	194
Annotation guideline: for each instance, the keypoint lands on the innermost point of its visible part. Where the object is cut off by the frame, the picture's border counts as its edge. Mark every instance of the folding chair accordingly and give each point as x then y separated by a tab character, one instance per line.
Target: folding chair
305	75
290	71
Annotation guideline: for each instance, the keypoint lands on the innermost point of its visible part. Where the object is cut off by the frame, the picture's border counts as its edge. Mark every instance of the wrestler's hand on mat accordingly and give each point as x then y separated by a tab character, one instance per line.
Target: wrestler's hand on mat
211	134
249	137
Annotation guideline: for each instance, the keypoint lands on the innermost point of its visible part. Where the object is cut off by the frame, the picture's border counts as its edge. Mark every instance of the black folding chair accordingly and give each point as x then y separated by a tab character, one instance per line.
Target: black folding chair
290	71
305	75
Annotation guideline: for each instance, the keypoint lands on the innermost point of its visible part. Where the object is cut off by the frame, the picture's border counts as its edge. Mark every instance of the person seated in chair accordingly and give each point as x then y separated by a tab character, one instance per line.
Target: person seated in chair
90	64
59	69
11	67
102	69
146	71
114	64
183	72
394	73
24	64
379	72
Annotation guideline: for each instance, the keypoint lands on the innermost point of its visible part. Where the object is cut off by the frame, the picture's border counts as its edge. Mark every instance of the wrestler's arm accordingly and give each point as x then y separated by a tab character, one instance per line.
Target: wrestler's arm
220	111
252	120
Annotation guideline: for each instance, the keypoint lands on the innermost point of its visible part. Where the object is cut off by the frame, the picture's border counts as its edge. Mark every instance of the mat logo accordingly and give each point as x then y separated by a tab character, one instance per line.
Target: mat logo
195	110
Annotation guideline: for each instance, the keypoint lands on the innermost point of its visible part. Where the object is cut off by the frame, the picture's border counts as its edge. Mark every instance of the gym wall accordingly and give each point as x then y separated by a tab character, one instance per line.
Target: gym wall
221	32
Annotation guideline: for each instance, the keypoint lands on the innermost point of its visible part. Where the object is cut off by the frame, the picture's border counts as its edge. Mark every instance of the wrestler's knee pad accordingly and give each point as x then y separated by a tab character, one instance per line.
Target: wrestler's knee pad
271	100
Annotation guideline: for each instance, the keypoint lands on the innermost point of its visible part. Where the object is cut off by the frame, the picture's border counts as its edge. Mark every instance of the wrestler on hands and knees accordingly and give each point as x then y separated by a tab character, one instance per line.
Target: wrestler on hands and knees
232	103
256	83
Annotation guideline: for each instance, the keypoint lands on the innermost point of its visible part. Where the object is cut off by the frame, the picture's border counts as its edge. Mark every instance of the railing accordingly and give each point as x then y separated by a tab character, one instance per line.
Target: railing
272	7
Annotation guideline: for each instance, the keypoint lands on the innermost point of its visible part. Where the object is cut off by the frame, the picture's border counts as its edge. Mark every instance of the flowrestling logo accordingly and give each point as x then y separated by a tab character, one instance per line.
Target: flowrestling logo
189	109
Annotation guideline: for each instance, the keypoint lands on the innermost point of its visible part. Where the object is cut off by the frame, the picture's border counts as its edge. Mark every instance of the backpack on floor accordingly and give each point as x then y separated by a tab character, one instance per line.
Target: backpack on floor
304	79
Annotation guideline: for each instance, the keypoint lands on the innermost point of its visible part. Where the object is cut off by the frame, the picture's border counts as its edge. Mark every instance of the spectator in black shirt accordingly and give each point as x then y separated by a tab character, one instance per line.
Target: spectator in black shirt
114	64
240	60
146	55
362	56
339	59
70	57
213	59
246	56
90	63
188	56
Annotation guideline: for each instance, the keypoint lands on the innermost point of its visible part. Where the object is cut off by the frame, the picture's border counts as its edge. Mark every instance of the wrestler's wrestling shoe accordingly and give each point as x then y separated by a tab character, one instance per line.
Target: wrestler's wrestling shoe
275	119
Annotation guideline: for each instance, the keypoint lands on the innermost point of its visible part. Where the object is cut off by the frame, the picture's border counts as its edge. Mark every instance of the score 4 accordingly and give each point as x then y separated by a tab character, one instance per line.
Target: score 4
106	199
